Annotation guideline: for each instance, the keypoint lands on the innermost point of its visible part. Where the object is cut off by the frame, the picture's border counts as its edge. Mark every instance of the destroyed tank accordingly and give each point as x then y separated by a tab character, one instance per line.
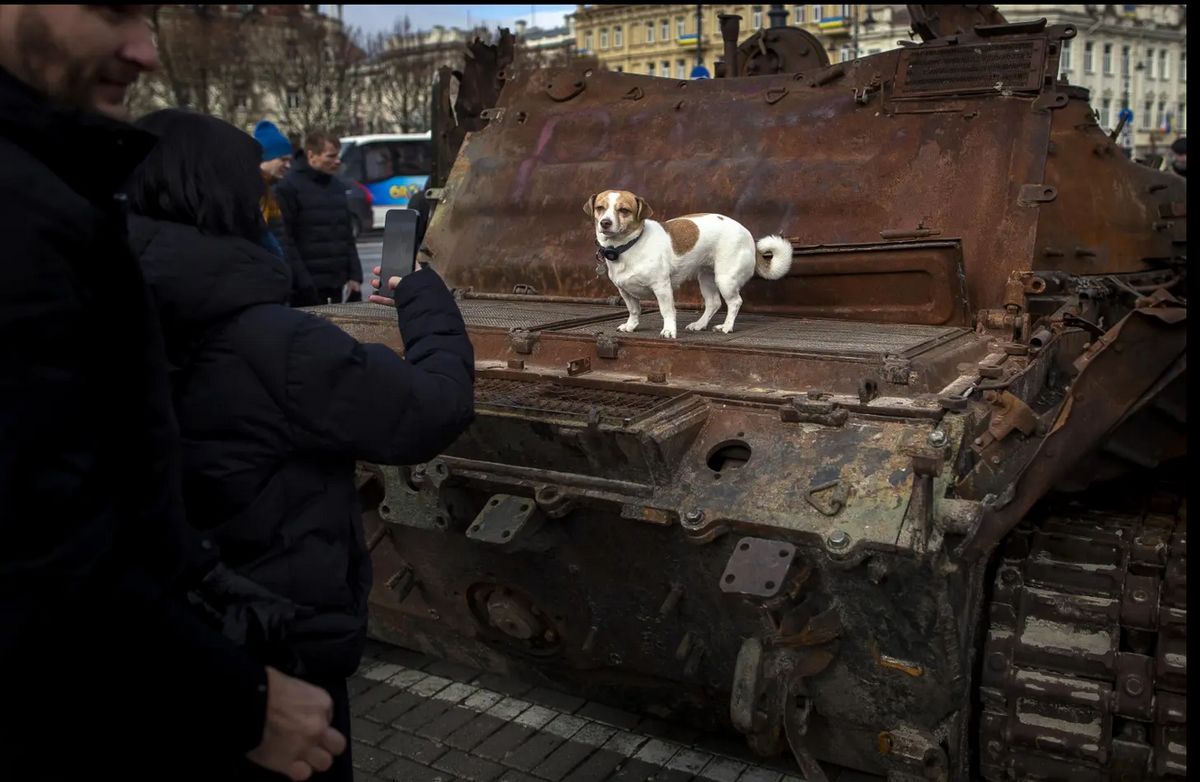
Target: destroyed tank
917	514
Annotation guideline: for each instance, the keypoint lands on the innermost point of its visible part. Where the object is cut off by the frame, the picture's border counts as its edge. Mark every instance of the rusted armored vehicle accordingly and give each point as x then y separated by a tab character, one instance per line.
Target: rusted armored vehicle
875	524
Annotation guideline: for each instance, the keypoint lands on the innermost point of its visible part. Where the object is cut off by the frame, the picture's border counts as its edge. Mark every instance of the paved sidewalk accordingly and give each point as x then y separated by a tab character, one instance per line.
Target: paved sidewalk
420	720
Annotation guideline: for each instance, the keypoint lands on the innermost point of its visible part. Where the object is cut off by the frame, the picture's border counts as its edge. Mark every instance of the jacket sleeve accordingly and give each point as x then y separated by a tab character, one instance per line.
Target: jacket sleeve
76	573
354	270
363	401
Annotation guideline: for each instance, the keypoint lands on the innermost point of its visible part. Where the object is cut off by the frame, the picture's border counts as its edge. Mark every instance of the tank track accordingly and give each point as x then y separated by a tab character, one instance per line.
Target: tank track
1084	671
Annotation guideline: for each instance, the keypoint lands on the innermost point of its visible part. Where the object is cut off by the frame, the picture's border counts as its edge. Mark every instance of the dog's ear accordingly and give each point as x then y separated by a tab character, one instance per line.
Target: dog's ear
589	206
644	212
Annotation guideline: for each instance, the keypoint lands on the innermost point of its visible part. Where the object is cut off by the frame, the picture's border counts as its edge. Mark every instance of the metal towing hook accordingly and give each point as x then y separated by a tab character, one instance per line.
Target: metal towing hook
767	702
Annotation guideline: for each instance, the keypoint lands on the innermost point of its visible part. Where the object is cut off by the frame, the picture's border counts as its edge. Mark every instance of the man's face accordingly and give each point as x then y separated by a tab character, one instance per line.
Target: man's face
326	162
1181	161
275	169
84	56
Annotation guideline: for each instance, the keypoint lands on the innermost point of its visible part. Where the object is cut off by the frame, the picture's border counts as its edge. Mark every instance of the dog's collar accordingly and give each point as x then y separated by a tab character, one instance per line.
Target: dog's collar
614	253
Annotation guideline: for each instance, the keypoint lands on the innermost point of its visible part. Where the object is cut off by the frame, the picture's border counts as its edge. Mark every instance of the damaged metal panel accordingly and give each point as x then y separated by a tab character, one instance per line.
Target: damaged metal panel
815	165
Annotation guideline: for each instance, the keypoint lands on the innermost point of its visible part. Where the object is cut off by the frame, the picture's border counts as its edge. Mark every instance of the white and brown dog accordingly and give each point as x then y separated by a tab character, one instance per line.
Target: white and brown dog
646	258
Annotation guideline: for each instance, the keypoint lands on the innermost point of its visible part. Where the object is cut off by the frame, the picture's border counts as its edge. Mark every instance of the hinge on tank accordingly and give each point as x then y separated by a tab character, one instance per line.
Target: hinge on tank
607	345
522	340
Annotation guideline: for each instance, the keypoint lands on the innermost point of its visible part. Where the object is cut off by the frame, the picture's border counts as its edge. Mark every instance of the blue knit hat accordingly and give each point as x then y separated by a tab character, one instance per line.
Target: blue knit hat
274	144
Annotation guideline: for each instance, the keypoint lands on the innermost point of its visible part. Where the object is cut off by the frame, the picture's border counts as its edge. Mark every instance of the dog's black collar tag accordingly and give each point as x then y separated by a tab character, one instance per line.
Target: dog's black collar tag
613	254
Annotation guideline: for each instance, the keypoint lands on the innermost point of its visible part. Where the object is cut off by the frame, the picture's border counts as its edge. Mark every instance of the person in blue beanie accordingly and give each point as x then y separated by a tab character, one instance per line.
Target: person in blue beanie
276	159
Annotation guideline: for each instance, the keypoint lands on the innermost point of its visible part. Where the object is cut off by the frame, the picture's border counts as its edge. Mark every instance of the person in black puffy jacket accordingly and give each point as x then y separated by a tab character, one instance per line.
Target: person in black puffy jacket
276	404
316	218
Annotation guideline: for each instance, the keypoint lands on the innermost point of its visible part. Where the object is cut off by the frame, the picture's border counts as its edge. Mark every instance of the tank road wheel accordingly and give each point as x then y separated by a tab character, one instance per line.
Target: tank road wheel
1084	673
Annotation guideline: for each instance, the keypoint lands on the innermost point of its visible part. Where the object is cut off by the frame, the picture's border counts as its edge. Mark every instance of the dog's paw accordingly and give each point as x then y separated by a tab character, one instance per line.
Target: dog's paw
697	326
627	327
668	332
723	328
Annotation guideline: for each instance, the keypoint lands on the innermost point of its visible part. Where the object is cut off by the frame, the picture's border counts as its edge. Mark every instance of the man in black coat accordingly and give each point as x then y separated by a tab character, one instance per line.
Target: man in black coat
316	217
95	555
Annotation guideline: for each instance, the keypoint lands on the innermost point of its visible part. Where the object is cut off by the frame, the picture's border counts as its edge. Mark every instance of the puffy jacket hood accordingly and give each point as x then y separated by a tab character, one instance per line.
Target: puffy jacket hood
199	280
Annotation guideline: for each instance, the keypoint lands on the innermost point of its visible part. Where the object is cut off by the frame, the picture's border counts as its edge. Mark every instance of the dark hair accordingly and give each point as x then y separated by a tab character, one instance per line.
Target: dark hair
316	140
203	172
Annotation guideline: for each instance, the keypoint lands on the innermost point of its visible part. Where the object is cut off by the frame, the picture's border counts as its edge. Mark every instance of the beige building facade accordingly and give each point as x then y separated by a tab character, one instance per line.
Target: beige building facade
662	40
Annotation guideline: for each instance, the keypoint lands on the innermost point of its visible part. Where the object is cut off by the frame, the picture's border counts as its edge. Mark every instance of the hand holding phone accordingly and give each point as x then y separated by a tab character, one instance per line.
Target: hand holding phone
399	253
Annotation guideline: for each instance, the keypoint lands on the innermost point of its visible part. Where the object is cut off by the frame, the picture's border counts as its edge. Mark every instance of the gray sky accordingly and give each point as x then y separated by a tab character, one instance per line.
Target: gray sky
381	18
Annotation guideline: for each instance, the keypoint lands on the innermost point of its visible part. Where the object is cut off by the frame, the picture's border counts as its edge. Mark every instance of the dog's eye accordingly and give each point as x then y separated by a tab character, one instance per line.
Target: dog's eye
624	211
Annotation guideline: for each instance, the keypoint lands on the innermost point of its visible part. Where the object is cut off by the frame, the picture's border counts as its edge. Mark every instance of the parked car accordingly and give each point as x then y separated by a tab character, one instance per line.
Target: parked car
389	167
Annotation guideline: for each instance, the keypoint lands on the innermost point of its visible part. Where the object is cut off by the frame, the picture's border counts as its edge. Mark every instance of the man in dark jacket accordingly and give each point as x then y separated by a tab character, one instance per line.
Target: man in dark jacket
316	218
276	160
95	555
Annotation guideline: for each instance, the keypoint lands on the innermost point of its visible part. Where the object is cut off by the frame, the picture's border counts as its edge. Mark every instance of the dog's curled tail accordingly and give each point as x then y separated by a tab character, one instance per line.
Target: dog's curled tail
774	257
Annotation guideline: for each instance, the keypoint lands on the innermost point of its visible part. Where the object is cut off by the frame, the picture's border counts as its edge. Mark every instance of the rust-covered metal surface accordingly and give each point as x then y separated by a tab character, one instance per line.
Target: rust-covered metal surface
834	159
839	530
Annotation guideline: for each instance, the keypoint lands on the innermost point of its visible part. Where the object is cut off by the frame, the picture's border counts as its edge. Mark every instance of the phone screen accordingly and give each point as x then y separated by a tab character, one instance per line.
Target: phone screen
399	255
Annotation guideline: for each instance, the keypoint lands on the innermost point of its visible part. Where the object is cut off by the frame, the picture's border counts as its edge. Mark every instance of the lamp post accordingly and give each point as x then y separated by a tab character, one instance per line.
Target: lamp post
699	35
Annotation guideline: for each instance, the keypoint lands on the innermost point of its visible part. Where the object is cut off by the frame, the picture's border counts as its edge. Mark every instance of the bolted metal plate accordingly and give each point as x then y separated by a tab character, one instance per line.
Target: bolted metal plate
502	520
757	567
978	67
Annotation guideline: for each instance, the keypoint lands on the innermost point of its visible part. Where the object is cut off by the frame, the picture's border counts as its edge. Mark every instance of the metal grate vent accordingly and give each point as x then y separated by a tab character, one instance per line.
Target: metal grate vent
560	399
360	310
1015	65
528	314
807	335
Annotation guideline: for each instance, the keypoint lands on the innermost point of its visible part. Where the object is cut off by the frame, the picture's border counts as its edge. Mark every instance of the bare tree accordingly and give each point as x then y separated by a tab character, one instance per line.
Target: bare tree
400	77
204	52
308	67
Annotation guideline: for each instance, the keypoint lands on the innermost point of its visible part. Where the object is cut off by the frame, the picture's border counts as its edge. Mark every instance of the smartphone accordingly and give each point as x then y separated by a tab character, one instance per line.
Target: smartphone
399	255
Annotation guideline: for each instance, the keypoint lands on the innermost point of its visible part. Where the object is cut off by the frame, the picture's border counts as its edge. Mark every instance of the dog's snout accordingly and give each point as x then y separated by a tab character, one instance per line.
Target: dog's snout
606	223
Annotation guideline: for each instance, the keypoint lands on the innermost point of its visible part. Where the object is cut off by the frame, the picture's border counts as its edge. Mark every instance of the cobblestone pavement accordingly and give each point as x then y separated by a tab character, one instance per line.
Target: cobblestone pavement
421	720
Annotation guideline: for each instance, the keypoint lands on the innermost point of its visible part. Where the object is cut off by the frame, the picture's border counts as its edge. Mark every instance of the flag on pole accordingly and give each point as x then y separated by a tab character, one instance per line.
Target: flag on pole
1165	126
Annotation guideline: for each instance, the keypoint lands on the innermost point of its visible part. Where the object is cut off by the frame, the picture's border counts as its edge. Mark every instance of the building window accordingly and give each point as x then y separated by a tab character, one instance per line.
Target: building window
241	97
756	18
1147	112
1064	61
649	69
604	39
666	69
665	30
1161	117
681	69
1087	57
798	13
1164	63
293	99
1124	60
817	13
1106	114
844	55
620	69
1183	66
649	32
679	26
618	37
587	42
1107	64
1181	118
1150	61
